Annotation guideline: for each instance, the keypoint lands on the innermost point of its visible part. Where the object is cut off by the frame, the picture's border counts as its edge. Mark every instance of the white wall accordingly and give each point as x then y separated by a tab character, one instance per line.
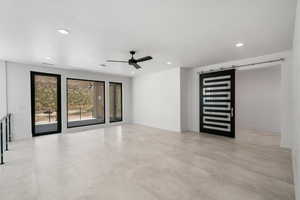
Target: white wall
19	98
295	104
258	99
286	102
193	92
184	88
2	88
156	100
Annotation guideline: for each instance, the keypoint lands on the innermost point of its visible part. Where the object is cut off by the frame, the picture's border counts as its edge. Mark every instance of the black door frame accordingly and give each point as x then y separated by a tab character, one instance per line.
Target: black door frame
116	83
67	103
32	85
232	111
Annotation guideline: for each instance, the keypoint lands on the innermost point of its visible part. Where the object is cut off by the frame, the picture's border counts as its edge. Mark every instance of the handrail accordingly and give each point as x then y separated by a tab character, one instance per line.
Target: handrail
1	144
7	120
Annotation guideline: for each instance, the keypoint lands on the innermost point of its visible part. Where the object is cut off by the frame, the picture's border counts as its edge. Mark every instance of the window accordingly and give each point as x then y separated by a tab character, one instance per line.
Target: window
45	103
115	102
86	102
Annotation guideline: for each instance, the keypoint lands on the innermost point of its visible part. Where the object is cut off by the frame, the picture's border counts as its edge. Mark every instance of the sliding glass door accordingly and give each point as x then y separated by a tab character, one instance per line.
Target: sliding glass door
45	103
86	102
115	102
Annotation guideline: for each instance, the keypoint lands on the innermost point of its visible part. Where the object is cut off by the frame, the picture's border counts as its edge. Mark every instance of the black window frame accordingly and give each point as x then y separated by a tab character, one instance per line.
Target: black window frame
116	83
67	103
32	88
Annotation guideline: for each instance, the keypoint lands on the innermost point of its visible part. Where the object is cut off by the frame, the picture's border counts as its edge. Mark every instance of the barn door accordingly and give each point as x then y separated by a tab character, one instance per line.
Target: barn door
217	94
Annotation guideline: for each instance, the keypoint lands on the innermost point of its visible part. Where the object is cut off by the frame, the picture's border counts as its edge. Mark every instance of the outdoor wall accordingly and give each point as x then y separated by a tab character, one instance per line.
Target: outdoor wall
156	100
19	95
2	89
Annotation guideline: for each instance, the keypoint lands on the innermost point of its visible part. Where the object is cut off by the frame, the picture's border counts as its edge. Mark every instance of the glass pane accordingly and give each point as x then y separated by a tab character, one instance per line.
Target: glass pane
111	102
115	102
118	102
45	104
85	102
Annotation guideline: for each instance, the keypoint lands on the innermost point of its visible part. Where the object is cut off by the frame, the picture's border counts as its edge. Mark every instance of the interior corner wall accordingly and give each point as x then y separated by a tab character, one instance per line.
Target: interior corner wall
295	103
19	96
156	100
184	92
3	102
286	102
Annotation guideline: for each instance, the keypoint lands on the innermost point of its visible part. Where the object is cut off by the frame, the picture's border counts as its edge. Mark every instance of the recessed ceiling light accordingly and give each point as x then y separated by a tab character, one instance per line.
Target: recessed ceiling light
169	63
63	31
48	58
239	44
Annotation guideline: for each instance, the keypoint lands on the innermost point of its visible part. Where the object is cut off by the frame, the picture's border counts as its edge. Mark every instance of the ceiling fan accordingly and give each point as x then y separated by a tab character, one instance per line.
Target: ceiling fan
132	61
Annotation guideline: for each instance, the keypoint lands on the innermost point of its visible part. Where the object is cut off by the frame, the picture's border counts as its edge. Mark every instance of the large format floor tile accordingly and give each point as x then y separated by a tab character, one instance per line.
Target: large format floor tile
135	162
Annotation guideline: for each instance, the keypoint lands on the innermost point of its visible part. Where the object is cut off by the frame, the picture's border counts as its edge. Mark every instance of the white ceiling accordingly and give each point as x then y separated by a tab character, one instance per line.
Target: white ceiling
186	32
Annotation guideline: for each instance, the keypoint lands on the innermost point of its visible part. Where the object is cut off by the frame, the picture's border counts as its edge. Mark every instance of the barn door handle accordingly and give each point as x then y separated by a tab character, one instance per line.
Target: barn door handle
232	112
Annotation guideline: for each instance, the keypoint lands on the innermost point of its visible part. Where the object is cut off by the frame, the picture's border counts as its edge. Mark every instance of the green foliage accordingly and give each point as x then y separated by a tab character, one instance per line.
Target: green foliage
80	97
45	97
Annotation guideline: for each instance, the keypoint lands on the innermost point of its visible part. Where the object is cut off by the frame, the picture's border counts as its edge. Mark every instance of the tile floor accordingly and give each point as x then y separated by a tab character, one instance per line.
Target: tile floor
141	163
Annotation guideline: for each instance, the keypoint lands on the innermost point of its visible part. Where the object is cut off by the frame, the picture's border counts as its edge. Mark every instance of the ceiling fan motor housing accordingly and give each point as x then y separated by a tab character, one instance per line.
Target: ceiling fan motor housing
132	52
132	61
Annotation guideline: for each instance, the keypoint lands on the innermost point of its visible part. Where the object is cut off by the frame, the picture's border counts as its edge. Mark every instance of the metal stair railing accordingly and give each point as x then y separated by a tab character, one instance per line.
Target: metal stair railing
6	120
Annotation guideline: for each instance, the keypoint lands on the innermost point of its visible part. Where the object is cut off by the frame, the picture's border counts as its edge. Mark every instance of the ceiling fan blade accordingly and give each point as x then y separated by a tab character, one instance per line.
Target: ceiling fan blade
120	61
144	59
136	66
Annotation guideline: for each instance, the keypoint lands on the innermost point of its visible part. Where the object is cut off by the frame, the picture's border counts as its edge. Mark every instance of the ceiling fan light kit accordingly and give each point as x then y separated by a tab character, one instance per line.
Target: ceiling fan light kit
132	61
